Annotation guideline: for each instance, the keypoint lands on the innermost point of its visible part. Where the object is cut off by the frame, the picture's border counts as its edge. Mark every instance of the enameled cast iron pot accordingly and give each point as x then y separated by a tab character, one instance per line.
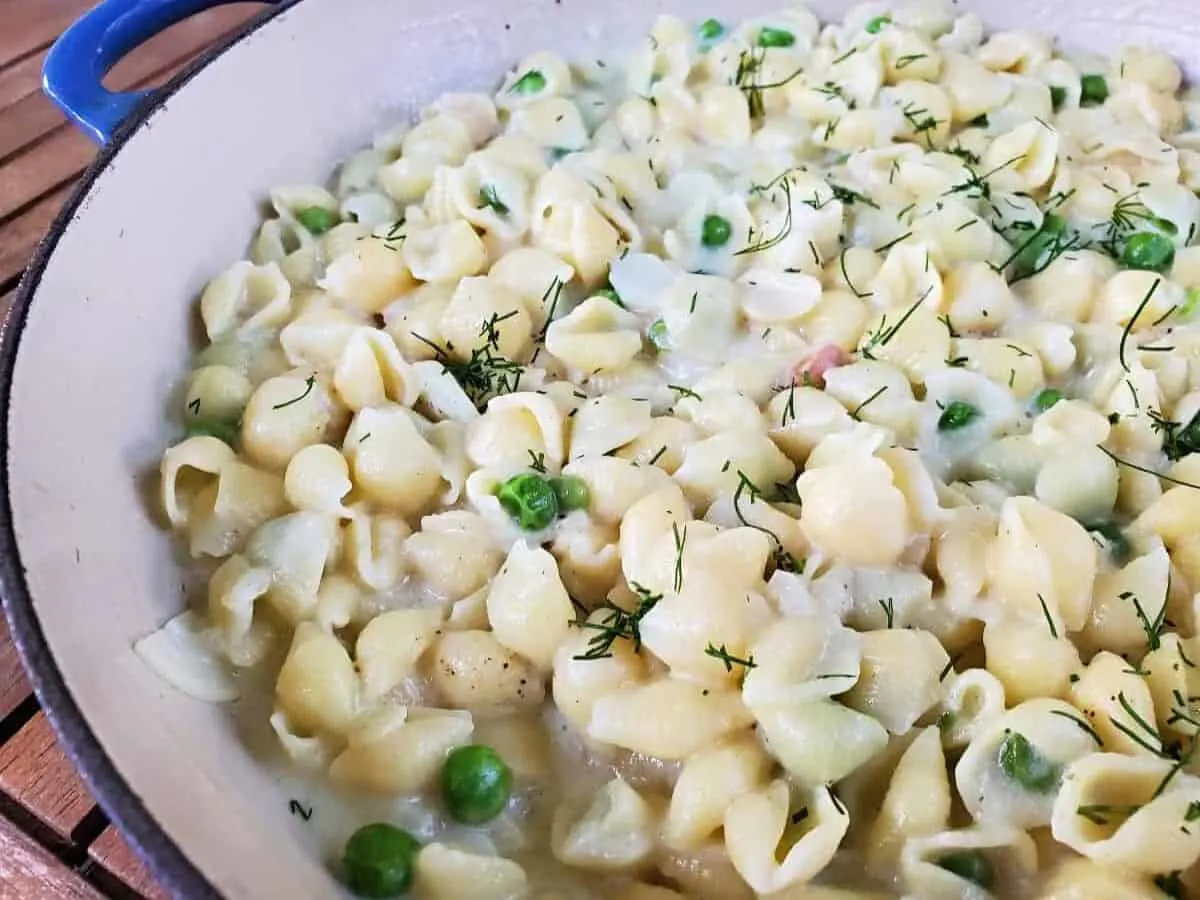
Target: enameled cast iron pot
99	336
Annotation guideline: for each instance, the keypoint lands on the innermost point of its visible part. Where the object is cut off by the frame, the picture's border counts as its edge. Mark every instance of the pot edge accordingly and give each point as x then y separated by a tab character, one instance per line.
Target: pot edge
124	808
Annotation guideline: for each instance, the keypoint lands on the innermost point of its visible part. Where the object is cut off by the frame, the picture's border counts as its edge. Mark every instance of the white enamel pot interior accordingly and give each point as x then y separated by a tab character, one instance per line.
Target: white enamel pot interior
100	337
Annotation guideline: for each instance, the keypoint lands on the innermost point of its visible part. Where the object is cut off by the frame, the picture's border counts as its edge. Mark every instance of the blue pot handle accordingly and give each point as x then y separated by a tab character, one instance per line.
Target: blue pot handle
83	55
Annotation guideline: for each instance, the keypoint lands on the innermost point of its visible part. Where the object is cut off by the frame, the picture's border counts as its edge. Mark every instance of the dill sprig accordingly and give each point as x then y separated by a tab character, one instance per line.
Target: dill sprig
728	659
485	374
784	561
889	610
308	386
680	543
884	333
1127	214
1082	723
1153	629
1178	440
1137	468
854	413
1153	743
684	392
846	276
1049	618
789	408
850	197
766	243
552	294
750	65
976	186
619	625
1133	319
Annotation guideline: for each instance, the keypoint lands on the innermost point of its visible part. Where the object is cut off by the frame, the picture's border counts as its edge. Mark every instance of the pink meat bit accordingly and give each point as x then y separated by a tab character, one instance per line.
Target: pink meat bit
811	370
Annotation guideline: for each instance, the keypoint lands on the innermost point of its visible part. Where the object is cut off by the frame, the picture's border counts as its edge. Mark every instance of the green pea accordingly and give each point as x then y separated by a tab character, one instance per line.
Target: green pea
715	231
316	219
956	415
1058	96
1048	398
711	29
775	37
223	431
877	23
658	335
1093	90
1115	540
476	784
1034	249
1149	251
489	197
532	82
1191	303
378	861
571	493
969	865
1025	764
530	500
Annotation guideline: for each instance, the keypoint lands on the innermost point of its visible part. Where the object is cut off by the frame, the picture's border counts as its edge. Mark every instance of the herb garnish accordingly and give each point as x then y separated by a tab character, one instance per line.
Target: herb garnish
489	198
784	561
854	413
882	335
486	373
680	543
727	659
1049	618
764	243
618	625
1132	320
308	386
889	610
1179	440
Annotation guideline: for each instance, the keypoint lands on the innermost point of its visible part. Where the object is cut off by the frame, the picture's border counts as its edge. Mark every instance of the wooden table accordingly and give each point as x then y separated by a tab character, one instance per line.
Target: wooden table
55	842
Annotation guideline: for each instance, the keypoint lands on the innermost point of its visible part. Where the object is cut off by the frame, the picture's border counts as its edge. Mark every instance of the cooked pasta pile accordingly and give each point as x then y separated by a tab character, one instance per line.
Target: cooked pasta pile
766	465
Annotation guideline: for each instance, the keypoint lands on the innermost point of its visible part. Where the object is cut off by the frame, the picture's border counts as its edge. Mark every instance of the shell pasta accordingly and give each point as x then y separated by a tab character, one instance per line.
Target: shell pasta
763	463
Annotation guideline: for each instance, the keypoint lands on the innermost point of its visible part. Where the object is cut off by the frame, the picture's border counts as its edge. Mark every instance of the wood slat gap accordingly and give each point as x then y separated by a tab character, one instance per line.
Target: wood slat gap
36	773
20	716
31	872
14	688
118	871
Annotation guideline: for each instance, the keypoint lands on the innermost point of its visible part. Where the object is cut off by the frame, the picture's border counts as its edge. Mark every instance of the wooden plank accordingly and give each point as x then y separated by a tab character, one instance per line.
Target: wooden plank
14	687
21	79
29	872
20	235
25	121
111	852
36	773
26	26
49	163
